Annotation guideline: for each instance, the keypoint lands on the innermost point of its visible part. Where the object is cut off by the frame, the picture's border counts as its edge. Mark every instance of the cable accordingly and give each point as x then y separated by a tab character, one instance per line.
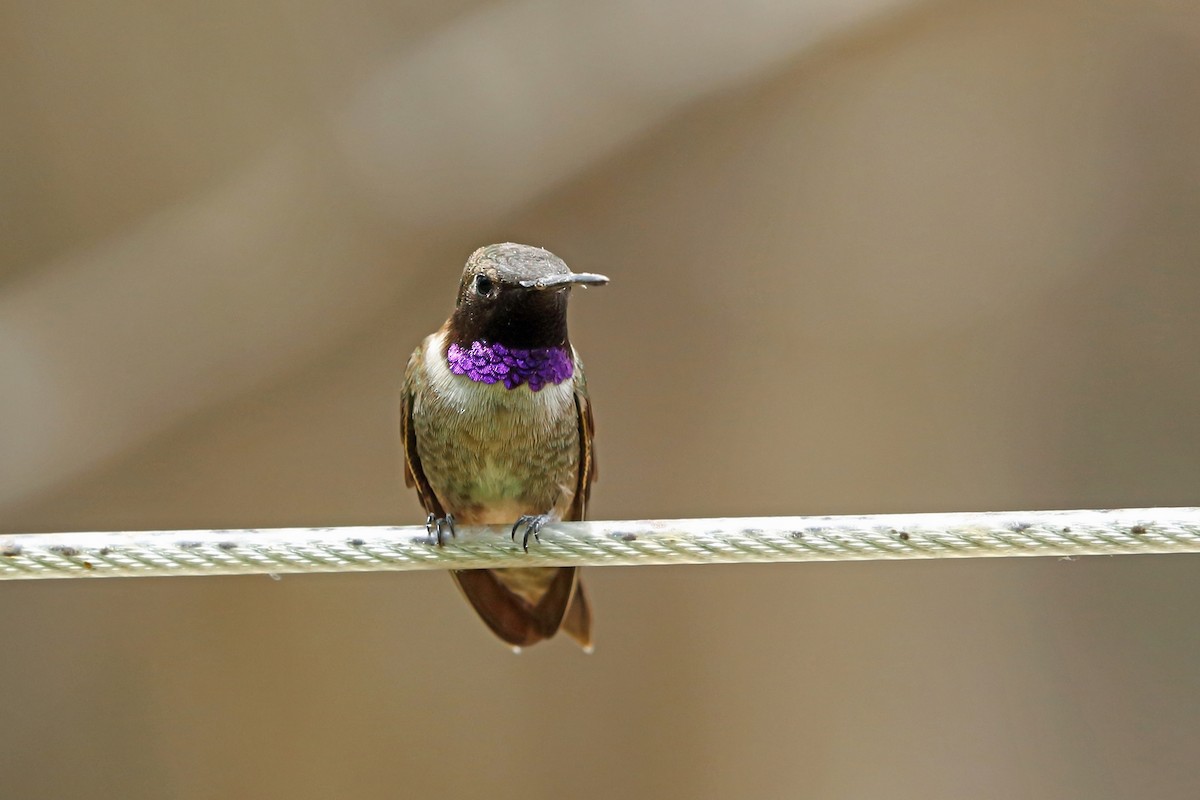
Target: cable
672	541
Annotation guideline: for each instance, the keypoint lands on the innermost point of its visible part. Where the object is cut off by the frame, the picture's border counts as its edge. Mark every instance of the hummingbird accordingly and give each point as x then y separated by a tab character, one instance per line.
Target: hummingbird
497	428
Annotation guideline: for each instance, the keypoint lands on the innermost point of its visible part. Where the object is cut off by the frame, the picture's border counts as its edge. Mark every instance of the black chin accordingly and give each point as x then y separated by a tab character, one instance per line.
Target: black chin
521	318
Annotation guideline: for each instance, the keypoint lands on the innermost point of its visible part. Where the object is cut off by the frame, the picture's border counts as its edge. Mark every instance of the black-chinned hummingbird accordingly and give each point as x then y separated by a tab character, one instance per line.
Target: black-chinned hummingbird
497	429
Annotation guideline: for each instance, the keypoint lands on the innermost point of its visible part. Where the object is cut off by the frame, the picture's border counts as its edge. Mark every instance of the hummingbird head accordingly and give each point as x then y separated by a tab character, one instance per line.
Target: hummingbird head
515	295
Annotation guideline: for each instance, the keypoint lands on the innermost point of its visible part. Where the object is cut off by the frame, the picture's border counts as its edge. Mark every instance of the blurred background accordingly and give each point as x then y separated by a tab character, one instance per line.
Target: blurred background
869	256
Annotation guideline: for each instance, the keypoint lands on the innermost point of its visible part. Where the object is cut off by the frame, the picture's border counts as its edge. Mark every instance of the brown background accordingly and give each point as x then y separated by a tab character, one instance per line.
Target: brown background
866	257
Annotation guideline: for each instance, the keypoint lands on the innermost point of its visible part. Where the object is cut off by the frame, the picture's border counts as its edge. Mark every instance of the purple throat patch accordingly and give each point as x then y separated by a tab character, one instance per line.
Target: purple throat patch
495	363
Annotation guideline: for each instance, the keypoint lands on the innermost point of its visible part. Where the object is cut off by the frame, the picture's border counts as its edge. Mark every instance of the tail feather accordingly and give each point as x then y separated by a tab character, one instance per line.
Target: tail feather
578	620
521	606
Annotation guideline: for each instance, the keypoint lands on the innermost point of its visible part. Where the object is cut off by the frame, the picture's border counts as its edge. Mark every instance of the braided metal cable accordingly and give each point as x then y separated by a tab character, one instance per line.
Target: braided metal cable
685	541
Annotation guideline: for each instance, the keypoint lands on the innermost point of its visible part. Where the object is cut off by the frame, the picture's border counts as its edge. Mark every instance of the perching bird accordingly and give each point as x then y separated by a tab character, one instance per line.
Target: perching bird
497	429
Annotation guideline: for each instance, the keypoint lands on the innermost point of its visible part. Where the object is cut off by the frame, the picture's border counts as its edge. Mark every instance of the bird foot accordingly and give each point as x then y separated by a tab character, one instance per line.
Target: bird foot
438	527
532	524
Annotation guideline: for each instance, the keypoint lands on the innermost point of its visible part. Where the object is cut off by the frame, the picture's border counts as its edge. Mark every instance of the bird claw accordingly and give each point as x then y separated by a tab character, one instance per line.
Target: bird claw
437	527
533	523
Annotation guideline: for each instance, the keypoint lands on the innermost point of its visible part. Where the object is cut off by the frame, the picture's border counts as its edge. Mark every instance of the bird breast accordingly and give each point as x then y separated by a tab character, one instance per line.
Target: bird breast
491	453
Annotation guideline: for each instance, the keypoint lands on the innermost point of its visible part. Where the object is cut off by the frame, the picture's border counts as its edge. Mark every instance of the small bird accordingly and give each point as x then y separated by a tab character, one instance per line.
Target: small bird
497	429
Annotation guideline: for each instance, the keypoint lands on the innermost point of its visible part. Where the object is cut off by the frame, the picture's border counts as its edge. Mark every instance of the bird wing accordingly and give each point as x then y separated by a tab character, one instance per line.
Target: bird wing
587	451
414	475
577	619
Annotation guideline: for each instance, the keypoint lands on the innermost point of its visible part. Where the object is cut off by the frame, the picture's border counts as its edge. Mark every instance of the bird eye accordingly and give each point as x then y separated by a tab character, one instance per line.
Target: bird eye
483	285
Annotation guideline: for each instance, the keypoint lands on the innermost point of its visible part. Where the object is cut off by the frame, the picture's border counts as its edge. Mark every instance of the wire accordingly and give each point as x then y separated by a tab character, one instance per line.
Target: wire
672	541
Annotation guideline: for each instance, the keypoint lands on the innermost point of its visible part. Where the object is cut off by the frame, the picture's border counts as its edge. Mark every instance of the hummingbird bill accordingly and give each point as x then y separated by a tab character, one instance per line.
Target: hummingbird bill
497	428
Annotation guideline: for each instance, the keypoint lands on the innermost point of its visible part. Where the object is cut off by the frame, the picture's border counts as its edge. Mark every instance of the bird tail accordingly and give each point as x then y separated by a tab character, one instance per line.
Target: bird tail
578	620
525	605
